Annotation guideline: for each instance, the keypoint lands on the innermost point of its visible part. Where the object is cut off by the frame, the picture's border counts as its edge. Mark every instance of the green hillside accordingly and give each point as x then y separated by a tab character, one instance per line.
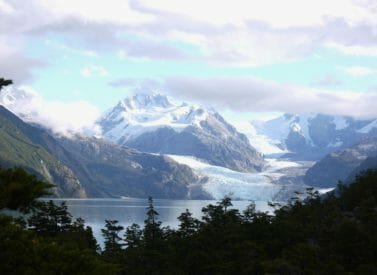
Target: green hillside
17	149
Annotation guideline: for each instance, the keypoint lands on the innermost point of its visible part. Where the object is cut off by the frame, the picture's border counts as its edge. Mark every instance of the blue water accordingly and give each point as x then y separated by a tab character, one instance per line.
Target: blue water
130	210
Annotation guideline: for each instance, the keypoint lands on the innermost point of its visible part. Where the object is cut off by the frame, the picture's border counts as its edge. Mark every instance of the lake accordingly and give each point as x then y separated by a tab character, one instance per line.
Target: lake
130	210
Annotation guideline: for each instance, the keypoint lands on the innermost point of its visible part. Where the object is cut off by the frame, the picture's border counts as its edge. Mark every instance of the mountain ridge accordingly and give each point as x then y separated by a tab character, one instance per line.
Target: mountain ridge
99	168
312	136
342	164
20	146
153	124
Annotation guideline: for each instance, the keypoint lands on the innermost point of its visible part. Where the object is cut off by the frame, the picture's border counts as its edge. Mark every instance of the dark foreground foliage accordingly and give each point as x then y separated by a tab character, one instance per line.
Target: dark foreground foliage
46	240
331	235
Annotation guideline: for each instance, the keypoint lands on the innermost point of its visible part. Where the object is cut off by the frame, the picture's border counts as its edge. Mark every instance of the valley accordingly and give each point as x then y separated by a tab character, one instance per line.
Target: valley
150	144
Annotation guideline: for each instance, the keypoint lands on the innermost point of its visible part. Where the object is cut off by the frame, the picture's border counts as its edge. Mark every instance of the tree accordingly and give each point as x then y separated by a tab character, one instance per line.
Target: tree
5	82
51	244
152	227
133	236
188	225
19	190
50	219
113	247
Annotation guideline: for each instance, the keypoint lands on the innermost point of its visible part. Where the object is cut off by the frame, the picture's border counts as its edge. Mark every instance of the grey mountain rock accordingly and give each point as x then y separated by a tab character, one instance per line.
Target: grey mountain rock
22	145
109	170
342	164
312	136
152	123
82	167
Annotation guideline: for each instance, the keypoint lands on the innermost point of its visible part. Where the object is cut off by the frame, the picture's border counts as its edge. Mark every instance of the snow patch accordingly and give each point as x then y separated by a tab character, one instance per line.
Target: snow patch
324	191
340	123
261	143
335	144
368	128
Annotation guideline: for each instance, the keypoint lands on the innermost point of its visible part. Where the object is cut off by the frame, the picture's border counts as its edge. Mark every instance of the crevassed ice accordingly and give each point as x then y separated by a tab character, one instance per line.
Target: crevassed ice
238	185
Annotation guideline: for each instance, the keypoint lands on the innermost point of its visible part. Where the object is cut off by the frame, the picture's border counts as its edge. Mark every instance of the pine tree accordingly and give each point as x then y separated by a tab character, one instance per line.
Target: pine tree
50	219
152	227
133	236
188	225
113	246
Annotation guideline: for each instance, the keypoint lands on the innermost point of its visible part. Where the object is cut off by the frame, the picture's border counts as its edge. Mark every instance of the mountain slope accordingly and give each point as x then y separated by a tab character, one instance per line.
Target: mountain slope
312	136
18	148
369	163
91	167
108	170
338	166
152	123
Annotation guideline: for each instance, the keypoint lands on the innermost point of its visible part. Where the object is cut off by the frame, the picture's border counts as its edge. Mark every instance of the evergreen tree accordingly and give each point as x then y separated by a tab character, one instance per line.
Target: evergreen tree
188	225
133	236
113	245
152	232
50	219
52	244
19	190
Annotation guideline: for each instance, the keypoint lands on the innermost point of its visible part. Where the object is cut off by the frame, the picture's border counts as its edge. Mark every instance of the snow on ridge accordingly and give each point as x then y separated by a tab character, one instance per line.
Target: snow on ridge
141	113
368	128
260	142
335	144
340	122
271	134
304	120
145	101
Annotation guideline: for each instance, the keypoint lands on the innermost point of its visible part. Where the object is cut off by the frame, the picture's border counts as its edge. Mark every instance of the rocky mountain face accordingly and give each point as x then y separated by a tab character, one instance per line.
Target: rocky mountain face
82	167
152	123
312	136
342	164
108	170
369	163
21	145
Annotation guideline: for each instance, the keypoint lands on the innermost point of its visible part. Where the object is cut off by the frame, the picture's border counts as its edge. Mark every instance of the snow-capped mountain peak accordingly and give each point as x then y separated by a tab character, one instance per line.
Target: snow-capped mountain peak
313	135
146	101
155	124
143	113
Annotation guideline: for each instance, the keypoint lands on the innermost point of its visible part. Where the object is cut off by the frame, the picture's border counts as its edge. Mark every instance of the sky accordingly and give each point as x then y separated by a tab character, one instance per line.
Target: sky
244	58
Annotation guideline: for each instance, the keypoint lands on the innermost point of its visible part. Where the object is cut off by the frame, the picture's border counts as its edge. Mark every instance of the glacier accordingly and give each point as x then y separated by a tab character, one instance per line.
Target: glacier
243	186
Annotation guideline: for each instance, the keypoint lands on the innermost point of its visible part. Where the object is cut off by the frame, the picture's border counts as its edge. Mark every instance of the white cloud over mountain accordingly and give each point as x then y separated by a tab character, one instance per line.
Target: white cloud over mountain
60	117
221	34
248	94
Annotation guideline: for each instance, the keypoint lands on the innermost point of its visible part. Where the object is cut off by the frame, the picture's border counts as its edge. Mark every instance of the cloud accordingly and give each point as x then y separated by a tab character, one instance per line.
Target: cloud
136	83
14	64
94	71
236	33
354	50
248	94
328	80
5	7
359	71
60	117
70	50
